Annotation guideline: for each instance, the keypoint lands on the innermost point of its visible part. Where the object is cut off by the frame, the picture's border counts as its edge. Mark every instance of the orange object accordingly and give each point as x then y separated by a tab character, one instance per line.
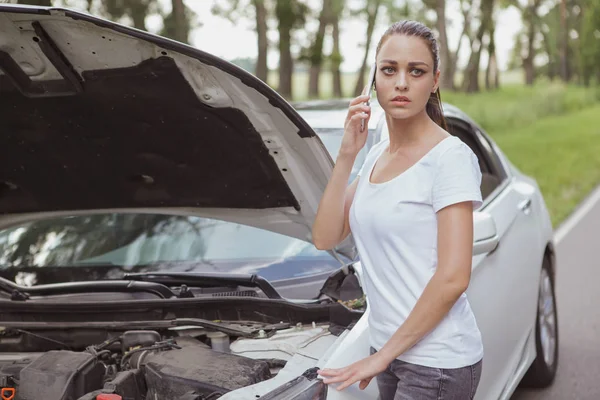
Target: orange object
7	393
107	396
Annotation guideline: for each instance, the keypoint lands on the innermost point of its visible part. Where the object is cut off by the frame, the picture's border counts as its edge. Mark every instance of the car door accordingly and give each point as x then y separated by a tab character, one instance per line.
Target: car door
502	280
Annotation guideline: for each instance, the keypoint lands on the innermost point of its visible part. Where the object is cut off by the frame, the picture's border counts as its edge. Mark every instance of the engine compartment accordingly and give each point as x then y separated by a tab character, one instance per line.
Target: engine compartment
189	363
181	368
179	349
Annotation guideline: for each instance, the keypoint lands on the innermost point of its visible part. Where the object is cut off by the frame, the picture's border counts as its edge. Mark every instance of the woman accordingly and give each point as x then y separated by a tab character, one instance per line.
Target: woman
410	212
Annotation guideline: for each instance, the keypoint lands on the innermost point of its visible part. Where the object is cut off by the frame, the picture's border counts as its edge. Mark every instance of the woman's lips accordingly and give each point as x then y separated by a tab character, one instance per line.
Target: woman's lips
400	101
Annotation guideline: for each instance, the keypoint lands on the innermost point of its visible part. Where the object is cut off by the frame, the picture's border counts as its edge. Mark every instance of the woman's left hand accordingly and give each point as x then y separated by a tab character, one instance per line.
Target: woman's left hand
364	371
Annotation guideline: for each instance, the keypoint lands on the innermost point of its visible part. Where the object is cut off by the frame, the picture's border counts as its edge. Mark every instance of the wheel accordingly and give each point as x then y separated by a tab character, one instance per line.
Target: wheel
542	371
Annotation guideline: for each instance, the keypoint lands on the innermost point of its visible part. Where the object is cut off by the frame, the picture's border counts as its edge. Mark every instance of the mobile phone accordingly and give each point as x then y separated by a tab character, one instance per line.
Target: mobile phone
370	85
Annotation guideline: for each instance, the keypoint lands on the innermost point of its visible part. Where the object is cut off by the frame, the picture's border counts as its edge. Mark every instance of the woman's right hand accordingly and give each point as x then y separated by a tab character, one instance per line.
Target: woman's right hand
354	140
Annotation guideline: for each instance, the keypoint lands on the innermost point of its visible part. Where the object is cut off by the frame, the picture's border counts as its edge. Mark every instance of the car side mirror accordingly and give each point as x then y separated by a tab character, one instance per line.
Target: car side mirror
485	235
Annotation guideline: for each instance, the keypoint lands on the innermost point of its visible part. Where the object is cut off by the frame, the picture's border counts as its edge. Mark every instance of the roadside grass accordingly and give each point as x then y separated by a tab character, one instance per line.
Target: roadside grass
516	106
561	153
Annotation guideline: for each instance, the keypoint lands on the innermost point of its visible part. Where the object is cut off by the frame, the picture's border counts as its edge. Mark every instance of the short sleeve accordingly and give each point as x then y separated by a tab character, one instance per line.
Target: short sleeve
458	178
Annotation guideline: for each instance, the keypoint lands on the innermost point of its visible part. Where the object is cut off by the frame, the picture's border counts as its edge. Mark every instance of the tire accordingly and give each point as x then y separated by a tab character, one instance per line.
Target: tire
542	371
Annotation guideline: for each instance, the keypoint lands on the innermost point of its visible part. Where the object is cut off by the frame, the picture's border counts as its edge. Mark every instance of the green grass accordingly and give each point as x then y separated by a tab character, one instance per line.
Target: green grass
561	153
514	106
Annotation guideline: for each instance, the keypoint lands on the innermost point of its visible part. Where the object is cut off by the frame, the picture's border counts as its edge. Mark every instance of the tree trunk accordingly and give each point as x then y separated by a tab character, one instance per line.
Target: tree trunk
261	70
551	58
564	43
446	76
316	51
372	9
138	15
471	77
286	63
285	17
528	66
465	32
180	27
336	59
491	73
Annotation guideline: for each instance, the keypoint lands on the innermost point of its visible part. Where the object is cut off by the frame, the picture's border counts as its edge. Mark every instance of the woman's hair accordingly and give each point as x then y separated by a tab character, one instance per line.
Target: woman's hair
417	29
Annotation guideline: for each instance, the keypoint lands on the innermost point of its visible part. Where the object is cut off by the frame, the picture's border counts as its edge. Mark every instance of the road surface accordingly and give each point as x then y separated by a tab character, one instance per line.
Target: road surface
578	298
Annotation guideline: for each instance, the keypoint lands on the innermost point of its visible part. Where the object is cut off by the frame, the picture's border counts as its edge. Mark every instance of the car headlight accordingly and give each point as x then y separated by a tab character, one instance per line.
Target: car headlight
305	387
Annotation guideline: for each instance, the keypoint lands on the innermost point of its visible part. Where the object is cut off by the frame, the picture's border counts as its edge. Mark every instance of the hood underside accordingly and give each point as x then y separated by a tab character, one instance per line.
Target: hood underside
96	116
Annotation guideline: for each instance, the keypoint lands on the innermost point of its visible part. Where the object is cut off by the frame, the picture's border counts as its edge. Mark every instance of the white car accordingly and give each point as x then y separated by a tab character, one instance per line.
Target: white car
156	205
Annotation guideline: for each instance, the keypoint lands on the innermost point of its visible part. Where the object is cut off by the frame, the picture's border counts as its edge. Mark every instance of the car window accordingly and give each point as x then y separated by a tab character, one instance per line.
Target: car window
491	178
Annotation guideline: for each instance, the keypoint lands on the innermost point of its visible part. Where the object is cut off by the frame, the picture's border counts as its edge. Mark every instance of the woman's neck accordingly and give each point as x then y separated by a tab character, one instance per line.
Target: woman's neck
409	132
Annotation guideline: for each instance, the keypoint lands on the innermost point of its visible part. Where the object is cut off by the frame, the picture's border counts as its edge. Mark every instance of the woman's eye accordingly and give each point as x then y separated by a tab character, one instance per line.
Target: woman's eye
417	72
387	70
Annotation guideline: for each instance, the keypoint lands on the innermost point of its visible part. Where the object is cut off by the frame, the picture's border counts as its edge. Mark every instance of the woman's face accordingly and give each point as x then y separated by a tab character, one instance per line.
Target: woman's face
405	76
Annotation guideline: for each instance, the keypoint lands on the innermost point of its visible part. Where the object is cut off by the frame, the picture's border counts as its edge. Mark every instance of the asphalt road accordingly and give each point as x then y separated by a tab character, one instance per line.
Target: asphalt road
578	298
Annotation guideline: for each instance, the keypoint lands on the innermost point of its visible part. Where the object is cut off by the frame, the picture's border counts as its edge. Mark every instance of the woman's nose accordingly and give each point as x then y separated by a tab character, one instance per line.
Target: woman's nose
402	82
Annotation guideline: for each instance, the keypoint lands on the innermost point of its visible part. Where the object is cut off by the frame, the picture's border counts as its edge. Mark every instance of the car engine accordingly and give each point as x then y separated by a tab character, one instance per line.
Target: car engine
136	365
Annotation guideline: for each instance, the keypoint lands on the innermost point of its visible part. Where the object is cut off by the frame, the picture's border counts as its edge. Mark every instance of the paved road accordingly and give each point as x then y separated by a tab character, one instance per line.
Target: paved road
578	297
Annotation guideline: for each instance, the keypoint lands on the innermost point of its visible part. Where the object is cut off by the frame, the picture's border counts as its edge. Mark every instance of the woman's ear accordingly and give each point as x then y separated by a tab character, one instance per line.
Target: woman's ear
436	81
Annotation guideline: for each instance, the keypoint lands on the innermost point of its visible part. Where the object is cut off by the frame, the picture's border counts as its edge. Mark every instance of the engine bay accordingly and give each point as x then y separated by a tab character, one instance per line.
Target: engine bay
187	363
175	349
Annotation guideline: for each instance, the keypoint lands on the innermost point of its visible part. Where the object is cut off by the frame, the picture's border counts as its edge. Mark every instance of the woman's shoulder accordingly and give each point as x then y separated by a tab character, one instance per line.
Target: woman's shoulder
452	148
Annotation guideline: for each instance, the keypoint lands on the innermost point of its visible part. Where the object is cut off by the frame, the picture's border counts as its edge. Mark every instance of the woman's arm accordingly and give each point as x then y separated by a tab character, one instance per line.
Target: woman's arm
451	279
331	222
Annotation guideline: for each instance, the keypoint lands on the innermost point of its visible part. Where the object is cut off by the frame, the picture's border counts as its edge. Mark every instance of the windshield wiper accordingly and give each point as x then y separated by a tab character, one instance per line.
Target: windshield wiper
201	279
19	292
247	329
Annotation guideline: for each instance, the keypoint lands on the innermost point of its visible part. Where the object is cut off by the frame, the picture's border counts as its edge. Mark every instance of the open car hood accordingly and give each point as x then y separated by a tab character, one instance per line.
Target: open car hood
98	117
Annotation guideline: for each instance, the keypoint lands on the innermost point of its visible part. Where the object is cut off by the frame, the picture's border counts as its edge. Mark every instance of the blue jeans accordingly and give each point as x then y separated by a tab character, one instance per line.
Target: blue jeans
405	381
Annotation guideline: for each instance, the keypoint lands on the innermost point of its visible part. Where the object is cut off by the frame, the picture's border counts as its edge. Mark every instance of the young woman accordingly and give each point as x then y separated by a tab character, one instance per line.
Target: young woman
410	211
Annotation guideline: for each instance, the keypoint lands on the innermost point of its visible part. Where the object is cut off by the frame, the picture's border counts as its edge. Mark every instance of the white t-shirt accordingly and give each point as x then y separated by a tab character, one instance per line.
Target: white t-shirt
394	226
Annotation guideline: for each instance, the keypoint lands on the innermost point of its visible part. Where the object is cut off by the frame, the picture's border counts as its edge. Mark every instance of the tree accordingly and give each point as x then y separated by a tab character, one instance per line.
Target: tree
549	30
137	10
590	42
468	8
564	43
471	76
316	49
335	58
370	11
492	73
263	45
259	11
290	14
178	23
446	77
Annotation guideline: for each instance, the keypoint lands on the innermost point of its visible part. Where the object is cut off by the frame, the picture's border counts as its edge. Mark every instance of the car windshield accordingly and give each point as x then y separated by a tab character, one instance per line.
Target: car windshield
104	246
110	244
